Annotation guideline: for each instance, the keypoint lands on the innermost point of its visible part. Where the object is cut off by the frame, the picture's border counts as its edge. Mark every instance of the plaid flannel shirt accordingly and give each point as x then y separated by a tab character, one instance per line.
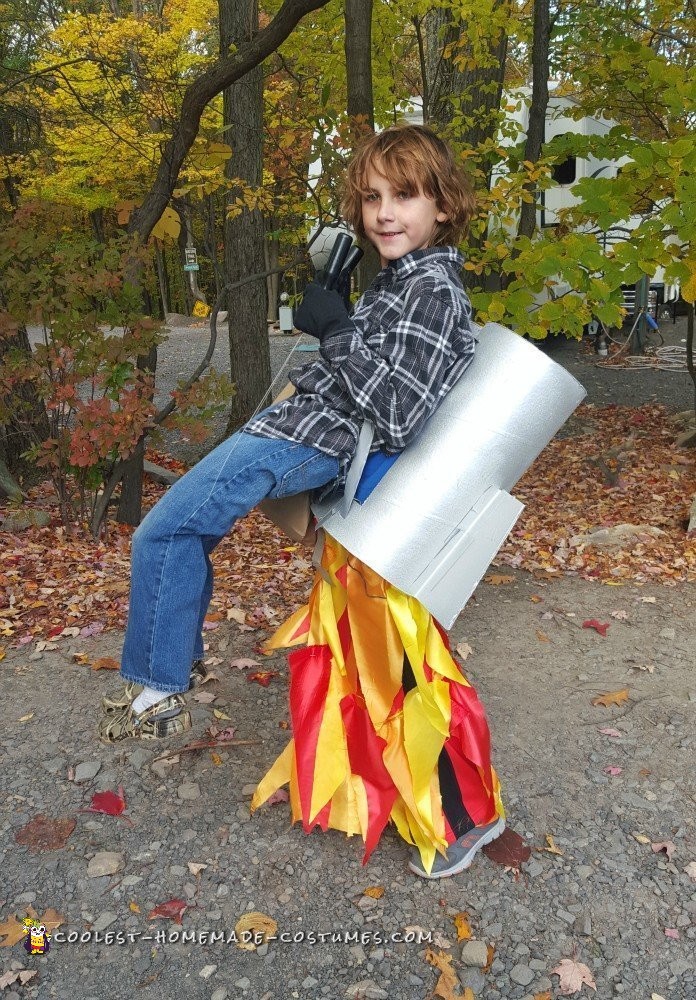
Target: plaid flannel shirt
405	346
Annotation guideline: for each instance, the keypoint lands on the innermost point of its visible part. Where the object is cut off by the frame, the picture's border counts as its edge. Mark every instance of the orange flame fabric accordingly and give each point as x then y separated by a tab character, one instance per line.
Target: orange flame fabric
364	748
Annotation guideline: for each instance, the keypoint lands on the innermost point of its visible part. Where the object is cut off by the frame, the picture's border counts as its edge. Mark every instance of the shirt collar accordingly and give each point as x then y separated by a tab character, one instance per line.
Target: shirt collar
404	266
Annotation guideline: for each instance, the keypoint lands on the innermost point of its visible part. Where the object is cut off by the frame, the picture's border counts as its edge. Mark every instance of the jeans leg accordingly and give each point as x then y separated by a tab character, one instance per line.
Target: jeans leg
209	543
171	576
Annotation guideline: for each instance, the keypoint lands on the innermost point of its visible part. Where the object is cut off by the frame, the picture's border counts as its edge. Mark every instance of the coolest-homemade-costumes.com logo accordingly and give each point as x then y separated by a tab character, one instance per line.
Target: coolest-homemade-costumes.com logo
37	940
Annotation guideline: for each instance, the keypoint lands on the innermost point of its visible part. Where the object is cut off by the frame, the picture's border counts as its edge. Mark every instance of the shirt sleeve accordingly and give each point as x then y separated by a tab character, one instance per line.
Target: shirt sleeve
395	378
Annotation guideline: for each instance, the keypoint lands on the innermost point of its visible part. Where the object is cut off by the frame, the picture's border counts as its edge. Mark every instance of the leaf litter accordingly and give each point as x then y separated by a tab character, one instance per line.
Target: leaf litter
567	496
51	580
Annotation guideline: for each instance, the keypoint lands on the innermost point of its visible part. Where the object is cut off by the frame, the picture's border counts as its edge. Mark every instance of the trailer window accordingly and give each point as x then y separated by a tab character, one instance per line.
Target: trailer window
564	172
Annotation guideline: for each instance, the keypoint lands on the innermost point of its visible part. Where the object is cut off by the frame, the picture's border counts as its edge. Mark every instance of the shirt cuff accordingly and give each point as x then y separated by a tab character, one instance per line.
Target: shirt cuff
338	345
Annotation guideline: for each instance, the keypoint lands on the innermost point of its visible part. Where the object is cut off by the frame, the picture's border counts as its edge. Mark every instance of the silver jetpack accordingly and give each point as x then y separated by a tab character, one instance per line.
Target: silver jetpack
436	519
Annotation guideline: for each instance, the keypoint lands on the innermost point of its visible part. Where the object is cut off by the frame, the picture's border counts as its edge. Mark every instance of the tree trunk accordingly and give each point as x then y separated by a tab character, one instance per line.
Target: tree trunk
162	278
186	241
358	50
131	498
478	91
250	366
360	101
29	423
537	111
271	257
226	71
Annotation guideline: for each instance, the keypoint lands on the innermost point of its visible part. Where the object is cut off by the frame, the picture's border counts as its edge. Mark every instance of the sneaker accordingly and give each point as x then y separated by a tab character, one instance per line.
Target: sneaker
130	692
165	718
461	853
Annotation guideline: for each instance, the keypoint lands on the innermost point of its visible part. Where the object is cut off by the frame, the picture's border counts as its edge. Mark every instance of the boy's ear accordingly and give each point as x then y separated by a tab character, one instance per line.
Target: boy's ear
442	216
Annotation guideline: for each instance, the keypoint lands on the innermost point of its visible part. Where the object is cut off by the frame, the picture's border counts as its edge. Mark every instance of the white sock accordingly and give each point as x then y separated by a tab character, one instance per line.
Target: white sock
148	697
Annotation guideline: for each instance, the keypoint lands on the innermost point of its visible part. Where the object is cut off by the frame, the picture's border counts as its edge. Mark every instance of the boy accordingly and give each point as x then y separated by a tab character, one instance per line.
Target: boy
406	344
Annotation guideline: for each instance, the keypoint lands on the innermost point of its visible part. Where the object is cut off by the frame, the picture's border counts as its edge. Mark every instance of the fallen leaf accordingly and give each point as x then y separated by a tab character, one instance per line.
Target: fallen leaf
611	732
535	599
263	677
672	932
133	907
440	941
222	735
216	758
25	718
210	676
620	616
611	698
204	697
106	663
94	629
645	667
110	803
656	996
489	958
613	770
691	870
23	975
237	615
195	867
463	650
221	715
374	891
447	985
641	838
11	931
45	834
572	976
543	996
667	846
647	600
497	579
173	909
253	923
542	636
283	724
597	626
243	662
508	849
551	846
81	658
463	925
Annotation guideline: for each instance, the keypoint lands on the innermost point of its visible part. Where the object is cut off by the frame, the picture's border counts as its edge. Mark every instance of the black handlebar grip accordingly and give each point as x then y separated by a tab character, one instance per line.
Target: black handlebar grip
338	254
353	258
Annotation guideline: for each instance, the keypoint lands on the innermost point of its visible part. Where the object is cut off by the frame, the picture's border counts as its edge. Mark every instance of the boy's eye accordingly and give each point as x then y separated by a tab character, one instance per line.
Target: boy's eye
371	196
403	195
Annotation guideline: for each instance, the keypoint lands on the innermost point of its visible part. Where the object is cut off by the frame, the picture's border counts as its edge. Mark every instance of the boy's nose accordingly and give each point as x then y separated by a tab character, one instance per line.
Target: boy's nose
386	209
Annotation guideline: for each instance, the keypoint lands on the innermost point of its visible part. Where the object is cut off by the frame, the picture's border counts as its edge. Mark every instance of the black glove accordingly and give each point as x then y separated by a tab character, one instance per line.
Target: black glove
322	312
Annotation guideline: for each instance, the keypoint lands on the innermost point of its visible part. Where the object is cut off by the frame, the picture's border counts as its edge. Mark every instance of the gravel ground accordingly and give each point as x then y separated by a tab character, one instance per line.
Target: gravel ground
607	899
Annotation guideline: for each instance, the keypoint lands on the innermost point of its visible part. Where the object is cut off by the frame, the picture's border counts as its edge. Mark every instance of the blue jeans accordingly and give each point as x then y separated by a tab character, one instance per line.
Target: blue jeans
171	572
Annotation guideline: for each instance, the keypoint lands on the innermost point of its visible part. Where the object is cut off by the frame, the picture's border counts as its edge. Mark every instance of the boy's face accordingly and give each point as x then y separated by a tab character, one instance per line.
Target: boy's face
396	223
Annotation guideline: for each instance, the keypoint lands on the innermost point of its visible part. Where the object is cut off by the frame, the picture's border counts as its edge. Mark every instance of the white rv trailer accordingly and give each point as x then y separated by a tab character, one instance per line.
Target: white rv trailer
565	174
560	195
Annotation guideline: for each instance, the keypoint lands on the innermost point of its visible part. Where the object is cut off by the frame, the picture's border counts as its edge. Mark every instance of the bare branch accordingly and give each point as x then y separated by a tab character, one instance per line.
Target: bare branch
198	95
